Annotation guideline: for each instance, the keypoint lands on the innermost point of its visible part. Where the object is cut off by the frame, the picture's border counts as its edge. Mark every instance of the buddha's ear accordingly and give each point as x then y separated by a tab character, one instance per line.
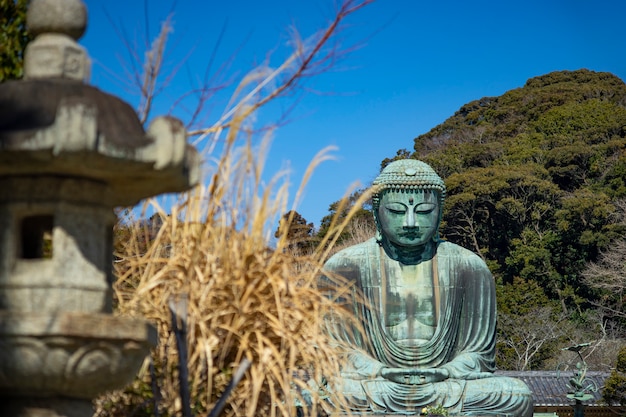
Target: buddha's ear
379	233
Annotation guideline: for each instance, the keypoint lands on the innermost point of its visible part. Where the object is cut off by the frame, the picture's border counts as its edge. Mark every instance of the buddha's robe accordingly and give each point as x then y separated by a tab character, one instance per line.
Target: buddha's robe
463	341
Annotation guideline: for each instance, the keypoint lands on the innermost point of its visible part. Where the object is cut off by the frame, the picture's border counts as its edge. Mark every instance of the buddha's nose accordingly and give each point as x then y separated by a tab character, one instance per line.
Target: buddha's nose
409	219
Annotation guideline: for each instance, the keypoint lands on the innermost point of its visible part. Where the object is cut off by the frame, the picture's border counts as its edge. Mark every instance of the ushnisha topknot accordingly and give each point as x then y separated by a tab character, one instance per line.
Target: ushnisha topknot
407	174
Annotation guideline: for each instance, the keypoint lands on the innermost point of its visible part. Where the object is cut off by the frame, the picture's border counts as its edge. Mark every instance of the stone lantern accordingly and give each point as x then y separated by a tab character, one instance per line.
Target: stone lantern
69	154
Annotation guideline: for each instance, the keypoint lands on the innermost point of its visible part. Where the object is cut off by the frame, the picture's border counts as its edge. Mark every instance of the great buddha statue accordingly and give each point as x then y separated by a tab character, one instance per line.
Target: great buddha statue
427	310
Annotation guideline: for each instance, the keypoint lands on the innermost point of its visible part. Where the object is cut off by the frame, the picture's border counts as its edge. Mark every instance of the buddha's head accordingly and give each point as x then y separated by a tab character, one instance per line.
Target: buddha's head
408	200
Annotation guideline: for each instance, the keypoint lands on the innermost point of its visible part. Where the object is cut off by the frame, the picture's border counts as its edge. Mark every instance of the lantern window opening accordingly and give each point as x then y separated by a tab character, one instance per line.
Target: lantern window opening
36	237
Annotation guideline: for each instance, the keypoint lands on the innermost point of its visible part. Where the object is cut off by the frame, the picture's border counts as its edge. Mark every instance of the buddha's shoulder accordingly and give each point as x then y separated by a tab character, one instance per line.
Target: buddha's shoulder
353	254
454	251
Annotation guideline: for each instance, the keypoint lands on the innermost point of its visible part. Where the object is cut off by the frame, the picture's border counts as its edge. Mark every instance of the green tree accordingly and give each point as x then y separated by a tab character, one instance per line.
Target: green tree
13	38
488	208
614	392
362	220
299	232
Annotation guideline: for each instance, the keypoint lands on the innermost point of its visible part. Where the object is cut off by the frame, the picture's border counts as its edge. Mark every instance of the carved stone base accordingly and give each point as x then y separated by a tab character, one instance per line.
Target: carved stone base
69	354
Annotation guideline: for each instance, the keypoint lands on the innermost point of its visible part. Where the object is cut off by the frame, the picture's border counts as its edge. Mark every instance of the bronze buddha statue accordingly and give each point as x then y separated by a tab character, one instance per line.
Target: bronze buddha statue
429	312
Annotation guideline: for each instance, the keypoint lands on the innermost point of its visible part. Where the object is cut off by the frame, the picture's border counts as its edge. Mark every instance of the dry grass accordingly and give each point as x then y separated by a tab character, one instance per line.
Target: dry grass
244	299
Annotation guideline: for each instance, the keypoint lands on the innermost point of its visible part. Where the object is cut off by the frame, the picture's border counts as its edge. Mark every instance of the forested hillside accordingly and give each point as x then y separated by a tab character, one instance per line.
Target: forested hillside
536	182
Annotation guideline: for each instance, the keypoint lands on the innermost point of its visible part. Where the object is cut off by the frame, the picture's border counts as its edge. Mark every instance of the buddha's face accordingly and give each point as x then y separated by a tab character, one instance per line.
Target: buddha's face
409	219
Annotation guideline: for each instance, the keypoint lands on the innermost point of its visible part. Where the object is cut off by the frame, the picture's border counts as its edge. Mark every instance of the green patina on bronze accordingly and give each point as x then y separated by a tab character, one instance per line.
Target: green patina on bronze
428	336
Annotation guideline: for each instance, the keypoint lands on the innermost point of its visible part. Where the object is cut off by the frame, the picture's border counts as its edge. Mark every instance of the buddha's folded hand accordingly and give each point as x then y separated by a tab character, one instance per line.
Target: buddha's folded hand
414	376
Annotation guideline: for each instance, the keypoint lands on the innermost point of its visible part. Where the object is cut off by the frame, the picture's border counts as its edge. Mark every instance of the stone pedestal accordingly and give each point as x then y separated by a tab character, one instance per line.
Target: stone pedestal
76	355
53	365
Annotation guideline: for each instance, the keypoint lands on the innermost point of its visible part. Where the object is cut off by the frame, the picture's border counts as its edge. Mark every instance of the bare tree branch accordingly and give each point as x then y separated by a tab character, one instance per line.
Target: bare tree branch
608	276
526	335
309	58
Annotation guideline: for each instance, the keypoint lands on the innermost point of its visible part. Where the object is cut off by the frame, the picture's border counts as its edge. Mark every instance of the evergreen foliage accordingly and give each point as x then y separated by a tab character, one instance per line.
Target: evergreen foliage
299	232
13	38
615	386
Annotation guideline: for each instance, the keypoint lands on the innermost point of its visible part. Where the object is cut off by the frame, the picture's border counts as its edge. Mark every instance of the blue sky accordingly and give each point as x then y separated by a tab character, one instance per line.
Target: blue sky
417	63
